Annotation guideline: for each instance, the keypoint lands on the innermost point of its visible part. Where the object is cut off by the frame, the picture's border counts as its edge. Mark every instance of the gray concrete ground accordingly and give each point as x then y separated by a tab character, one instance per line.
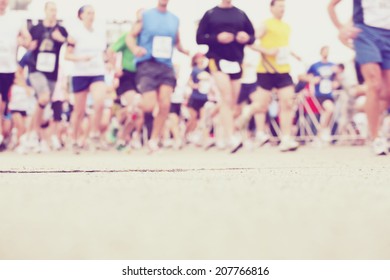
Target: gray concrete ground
313	204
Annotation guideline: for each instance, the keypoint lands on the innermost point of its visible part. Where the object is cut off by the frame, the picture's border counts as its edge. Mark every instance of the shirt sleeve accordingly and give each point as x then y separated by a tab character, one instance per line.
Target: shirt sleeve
311	70
64	32
202	35
120	44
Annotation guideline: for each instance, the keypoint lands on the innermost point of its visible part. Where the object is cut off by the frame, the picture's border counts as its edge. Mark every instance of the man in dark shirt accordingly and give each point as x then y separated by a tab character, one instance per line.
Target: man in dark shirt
48	38
226	30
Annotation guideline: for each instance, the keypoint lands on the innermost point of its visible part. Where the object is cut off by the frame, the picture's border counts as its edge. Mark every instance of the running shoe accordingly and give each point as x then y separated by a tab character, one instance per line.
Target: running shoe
236	144
153	146
55	143
288	144
262	138
380	147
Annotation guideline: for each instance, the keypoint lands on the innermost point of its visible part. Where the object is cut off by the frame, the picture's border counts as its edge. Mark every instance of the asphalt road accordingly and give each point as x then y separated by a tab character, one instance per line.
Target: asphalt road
331	203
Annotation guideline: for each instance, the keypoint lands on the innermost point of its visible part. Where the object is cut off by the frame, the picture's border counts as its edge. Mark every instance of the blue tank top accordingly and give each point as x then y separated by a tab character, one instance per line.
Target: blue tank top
158	36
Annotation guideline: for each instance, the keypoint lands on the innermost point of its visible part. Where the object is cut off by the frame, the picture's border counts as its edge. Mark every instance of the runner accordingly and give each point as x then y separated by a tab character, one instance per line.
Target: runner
13	32
323	75
152	41
274	69
19	101
370	33
48	38
250	99
86	49
127	92
200	83
226	30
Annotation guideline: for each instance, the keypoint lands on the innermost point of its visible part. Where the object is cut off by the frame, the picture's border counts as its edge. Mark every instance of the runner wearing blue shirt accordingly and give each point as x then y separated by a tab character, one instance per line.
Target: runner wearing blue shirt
152	40
323	77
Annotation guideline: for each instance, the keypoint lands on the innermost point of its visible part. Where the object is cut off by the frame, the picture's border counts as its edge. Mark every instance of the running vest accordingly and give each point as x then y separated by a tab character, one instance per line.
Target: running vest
277	36
10	27
375	13
158	36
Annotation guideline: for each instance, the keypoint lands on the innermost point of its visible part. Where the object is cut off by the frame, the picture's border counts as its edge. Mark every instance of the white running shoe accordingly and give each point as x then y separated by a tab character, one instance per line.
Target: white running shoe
177	145
55	143
210	143
21	149
167	143
136	141
326	136
44	147
153	146
380	146
288	144
236	144
262	138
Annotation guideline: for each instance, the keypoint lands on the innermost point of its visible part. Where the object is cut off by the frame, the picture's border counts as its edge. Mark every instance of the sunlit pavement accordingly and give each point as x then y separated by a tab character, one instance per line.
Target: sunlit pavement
331	203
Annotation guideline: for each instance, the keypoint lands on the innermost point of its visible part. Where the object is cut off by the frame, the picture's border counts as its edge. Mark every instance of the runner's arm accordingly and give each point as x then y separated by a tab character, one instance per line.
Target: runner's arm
24	37
250	30
296	56
179	45
131	38
203	37
332	13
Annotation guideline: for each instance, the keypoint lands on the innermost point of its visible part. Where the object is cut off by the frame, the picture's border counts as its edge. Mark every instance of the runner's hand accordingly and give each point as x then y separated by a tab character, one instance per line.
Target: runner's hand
347	33
57	36
225	37
33	45
316	80
118	73
271	52
139	51
242	37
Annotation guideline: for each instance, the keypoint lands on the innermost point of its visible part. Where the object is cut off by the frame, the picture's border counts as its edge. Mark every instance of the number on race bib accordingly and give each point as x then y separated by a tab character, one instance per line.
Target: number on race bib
46	62
162	47
229	67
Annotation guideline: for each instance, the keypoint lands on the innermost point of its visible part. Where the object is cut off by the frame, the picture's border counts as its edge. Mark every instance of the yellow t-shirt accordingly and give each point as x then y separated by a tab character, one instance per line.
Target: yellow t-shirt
277	36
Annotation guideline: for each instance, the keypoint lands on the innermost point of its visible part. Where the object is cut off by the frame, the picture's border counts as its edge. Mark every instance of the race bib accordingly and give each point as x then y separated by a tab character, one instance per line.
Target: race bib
326	86
229	67
162	47
283	56
46	62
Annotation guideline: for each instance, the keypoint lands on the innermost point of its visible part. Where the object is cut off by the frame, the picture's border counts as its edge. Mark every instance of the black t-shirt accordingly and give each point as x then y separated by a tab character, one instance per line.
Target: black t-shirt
217	20
45	58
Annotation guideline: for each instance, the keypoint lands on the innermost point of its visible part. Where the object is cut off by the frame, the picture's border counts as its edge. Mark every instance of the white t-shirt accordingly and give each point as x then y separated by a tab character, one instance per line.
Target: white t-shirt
10	26
89	43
